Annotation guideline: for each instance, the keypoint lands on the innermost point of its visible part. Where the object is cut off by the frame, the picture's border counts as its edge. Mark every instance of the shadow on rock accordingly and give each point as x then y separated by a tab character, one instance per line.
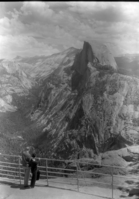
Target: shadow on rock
134	192
122	196
129	182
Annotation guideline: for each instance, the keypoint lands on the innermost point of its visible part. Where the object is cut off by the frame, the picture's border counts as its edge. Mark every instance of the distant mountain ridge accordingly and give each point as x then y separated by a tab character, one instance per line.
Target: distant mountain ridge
128	64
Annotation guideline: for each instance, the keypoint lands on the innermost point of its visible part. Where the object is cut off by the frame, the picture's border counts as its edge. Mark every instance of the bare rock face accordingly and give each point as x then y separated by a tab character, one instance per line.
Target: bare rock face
24	84
97	56
77	100
93	54
103	54
88	104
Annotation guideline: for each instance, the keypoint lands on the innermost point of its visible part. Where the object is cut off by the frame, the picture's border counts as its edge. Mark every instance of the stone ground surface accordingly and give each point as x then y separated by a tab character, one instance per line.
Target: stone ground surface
13	190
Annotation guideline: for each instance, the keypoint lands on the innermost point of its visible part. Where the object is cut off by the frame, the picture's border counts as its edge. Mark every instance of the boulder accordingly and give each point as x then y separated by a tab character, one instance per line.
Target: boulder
113	159
133	149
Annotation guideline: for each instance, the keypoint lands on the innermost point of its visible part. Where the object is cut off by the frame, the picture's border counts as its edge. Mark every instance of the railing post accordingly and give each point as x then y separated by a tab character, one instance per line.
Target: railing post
77	175
14	161
19	169
112	182
47	172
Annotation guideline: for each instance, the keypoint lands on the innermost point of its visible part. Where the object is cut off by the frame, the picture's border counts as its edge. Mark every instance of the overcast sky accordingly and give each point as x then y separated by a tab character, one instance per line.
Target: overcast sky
44	28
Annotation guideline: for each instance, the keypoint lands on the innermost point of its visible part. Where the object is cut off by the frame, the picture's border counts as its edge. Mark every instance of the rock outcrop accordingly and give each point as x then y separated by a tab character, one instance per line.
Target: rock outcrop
88	104
77	100
103	54
90	55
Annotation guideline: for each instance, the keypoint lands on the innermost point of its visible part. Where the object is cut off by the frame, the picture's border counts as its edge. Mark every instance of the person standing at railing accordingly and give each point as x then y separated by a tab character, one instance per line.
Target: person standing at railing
26	158
33	165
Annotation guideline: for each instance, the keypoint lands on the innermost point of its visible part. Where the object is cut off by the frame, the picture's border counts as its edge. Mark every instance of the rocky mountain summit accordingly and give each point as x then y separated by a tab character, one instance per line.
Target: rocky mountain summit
70	102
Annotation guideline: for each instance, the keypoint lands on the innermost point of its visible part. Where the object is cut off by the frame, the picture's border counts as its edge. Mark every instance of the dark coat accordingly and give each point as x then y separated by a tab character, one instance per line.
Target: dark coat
33	165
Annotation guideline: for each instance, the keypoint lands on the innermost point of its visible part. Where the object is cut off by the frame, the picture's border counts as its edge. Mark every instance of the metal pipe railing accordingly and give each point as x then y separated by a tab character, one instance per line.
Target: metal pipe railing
61	168
48	170
66	161
112	182
7	174
8	163
19	169
59	173
3	166
8	171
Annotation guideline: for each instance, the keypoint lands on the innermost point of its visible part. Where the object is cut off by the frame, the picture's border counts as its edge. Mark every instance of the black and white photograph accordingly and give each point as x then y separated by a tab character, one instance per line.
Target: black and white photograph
69	100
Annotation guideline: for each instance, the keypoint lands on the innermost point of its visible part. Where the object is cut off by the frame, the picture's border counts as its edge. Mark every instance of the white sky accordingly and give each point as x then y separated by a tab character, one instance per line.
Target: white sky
44	28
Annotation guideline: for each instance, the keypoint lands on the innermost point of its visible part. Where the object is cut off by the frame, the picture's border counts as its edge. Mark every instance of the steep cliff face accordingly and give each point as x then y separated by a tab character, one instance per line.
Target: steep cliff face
99	55
90	54
72	101
87	105
103	54
21	81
